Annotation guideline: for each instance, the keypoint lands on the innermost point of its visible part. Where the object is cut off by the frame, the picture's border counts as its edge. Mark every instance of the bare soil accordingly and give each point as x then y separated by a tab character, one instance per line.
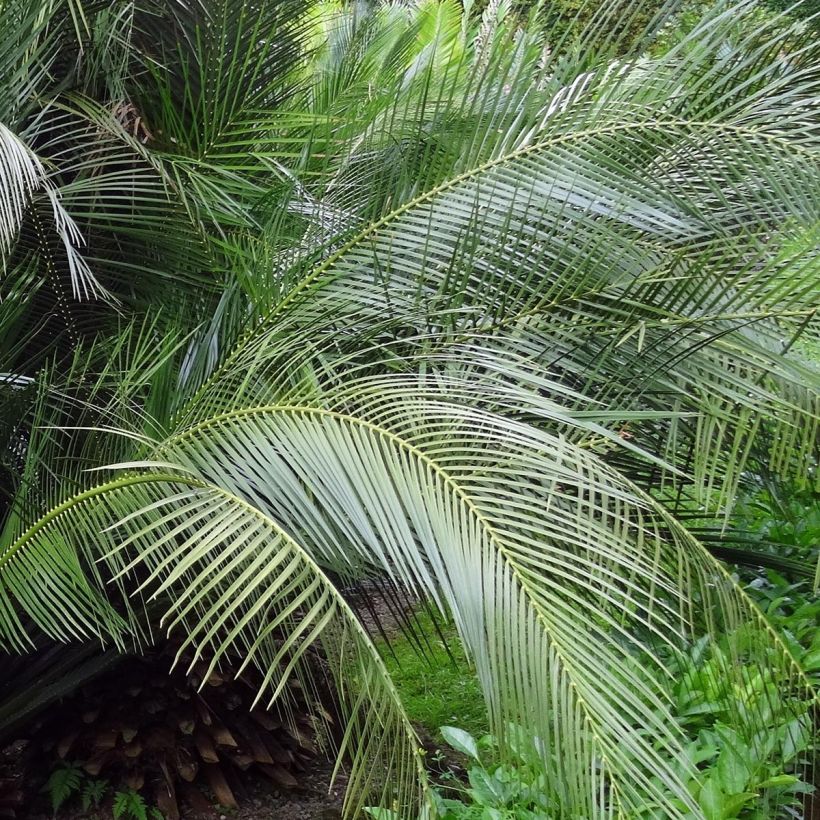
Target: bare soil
318	800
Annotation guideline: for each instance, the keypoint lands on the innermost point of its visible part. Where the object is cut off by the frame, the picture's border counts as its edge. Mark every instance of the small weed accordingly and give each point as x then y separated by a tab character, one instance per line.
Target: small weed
64	781
129	805
93	793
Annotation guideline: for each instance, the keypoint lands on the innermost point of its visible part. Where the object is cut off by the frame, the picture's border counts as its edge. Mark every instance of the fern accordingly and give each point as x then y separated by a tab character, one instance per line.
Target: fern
93	793
130	806
63	783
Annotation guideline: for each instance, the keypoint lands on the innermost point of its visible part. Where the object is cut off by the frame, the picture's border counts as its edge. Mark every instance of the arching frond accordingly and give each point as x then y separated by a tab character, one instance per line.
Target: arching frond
625	285
571	591
224	576
470	305
21	176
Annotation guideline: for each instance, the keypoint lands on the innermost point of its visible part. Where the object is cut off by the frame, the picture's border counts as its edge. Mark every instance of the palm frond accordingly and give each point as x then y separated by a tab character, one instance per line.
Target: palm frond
570	571
548	267
227	577
23	175
469	307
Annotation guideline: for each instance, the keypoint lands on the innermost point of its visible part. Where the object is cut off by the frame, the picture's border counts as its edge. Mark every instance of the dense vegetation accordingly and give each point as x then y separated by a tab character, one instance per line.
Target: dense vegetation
500	308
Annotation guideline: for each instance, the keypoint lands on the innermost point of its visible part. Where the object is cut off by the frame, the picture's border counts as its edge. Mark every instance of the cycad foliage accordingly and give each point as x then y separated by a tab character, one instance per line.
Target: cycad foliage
297	296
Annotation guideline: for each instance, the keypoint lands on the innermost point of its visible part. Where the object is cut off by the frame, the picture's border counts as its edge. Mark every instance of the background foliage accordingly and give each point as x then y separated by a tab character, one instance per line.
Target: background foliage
505	307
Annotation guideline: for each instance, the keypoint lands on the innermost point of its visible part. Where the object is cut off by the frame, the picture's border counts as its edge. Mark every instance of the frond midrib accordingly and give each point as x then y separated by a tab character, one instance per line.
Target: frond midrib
79	498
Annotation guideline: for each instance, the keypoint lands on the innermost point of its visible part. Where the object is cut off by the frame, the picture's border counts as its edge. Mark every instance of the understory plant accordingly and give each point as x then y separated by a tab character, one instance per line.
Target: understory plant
794	610
298	295
737	777
69	782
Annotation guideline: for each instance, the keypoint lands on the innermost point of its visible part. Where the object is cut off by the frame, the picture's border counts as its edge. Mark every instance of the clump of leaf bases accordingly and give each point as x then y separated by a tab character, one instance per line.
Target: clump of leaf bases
141	737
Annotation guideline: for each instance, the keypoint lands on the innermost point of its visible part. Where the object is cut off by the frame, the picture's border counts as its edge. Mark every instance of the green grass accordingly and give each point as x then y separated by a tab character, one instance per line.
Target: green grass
436	689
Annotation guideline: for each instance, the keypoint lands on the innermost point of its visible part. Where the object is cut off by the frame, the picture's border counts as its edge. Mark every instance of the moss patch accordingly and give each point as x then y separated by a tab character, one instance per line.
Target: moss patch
437	689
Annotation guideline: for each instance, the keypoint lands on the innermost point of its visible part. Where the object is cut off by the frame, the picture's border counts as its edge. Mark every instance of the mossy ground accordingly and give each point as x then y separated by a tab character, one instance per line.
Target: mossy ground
438	687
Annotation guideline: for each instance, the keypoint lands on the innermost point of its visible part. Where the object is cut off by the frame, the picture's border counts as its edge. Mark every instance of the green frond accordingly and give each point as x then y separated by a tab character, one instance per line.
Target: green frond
22	177
588	273
226	577
472	301
570	589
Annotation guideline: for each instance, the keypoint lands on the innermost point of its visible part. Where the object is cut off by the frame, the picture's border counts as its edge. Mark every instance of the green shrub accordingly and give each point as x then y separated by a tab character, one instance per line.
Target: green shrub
806	9
69	782
512	790
596	21
741	774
